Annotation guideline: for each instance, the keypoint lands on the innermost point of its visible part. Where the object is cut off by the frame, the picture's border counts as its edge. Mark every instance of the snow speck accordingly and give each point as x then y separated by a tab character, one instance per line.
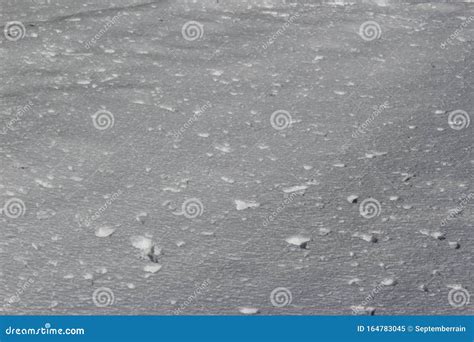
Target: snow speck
141	242
296	188
104	231
249	311
242	205
152	268
298	240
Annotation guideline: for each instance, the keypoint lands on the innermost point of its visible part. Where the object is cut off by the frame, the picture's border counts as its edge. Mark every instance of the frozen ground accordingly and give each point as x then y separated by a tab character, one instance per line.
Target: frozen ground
98	215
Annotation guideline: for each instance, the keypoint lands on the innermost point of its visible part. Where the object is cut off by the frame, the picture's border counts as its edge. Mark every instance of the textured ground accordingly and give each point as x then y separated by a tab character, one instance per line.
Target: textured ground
92	209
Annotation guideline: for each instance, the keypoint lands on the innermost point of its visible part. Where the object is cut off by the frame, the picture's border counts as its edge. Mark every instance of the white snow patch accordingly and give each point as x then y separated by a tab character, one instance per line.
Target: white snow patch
242	205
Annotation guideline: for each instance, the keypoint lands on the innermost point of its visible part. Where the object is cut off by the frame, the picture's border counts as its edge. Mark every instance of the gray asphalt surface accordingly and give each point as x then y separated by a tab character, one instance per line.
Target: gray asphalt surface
258	157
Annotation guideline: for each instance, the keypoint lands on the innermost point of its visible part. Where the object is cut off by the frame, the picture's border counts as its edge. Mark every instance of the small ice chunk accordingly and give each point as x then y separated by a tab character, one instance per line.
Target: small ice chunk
454	244
141	242
352	198
366	237
249	311
354	281
227	179
152	268
388	282
298	240
423	288
324	231
242	205
142	217
438	235
154	253
43	183
104	231
45	214
296	188
363	310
